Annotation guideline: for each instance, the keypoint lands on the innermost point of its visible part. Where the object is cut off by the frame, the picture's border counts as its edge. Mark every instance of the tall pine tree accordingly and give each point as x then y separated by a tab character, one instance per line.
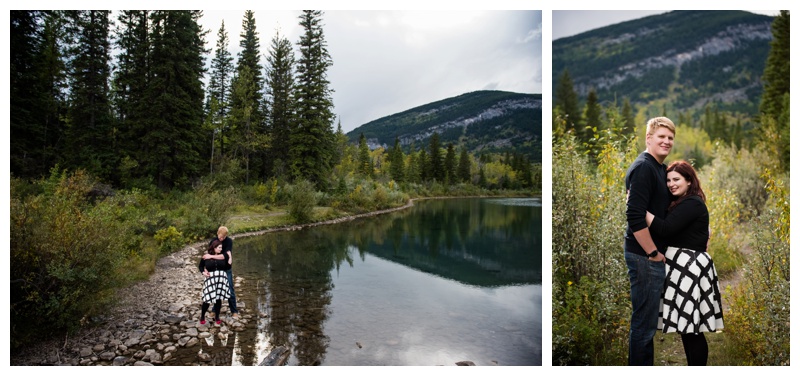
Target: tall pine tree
566	99
174	143
91	137
280	101
250	101
312	142
130	86
219	87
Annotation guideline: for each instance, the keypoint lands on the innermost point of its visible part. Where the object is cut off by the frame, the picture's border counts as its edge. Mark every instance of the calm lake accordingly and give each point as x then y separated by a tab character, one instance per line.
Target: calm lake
441	282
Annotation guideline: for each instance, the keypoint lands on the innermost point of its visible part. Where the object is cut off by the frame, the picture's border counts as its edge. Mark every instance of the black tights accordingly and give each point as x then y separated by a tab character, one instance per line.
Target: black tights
696	349
217	307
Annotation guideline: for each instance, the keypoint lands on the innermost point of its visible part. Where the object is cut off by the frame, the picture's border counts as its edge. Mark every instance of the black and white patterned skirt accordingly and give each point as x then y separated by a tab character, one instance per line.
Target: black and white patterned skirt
216	287
692	302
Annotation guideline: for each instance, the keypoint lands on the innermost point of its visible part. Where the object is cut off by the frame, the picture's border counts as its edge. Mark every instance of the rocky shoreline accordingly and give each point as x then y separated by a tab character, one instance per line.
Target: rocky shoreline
157	321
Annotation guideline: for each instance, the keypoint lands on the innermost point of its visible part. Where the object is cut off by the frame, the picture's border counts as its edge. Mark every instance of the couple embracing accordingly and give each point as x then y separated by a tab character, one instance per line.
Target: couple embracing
674	285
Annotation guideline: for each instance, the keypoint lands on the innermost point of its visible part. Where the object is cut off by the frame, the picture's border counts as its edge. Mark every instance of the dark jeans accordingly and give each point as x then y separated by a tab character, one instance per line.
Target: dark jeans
232	299
647	284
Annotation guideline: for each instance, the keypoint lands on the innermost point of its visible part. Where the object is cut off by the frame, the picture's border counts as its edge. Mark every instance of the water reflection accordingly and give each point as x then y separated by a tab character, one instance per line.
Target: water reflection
444	280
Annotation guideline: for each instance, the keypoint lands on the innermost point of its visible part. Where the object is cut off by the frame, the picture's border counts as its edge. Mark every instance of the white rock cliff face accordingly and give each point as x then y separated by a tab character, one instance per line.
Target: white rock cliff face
727	40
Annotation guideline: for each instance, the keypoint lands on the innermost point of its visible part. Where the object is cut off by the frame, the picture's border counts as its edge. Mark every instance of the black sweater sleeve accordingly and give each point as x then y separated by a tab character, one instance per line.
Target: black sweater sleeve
680	218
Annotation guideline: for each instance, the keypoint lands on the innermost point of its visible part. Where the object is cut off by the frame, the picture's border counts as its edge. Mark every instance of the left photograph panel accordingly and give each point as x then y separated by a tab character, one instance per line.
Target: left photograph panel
275	188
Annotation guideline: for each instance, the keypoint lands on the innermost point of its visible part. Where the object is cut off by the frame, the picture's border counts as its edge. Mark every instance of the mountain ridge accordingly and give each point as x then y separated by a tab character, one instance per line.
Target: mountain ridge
483	121
682	59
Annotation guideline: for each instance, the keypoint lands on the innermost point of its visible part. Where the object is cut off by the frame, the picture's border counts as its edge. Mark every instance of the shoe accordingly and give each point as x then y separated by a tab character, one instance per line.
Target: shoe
202	322
219	322
235	315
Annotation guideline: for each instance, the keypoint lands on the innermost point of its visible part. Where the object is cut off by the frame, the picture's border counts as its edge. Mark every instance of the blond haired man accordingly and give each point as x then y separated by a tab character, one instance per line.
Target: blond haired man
646	184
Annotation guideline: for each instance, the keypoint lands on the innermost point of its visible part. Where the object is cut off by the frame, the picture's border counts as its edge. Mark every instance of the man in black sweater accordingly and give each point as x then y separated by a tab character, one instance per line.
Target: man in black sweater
646	184
227	247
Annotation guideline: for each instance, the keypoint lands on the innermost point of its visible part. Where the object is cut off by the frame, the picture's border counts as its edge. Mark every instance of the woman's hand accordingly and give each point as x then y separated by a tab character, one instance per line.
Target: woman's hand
206	273
649	218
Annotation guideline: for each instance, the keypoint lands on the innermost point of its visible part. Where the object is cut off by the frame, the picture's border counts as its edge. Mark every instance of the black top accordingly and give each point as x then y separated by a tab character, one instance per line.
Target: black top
227	245
686	226
646	182
213	264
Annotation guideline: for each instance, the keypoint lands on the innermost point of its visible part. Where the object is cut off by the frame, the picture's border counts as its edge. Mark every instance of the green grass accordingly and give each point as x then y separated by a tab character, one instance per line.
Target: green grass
721	350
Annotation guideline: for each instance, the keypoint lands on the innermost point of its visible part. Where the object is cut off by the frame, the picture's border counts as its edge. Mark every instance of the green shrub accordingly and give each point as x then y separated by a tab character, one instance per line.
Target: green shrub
759	317
591	307
65	253
169	240
302	199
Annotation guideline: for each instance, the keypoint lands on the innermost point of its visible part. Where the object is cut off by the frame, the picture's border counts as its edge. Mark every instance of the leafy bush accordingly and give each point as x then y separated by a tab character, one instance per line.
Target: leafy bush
65	253
169	240
758	318
302	199
591	307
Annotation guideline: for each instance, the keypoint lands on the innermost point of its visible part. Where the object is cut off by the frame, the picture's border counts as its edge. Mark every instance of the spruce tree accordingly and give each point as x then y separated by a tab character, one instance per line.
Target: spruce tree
312	145
775	99
130	86
219	86
280	101
174	144
90	137
629	122
450	163
567	100
250	101
397	159
591	115
776	71
37	91
464	166
435	163
364	160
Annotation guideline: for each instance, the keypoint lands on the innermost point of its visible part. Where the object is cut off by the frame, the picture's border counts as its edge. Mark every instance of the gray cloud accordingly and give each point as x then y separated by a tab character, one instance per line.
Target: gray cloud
385	62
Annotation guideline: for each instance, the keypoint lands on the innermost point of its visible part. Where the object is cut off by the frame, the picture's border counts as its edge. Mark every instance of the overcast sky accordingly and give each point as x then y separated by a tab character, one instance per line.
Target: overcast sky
385	62
572	22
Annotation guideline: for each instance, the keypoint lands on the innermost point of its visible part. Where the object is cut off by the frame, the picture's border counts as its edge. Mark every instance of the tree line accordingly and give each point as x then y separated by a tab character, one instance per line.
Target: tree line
125	101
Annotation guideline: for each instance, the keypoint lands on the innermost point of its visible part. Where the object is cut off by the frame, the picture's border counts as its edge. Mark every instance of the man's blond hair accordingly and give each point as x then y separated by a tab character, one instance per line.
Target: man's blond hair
657	122
223	231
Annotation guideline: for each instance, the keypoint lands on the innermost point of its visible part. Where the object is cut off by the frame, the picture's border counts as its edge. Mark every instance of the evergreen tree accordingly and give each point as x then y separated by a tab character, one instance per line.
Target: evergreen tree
412	170
130	86
435	165
775	99
311	141
219	86
591	115
629	122
397	159
250	100
776	71
37	90
90	136
364	161
280	101
423	166
173	145
567	101
450	163
464	166
248	140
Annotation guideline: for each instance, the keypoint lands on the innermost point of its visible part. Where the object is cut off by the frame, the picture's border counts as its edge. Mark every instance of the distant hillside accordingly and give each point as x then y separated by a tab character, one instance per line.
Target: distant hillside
680	61
483	121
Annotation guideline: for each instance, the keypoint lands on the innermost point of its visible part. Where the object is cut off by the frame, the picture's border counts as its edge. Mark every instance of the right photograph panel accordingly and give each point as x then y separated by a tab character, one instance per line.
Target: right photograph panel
670	181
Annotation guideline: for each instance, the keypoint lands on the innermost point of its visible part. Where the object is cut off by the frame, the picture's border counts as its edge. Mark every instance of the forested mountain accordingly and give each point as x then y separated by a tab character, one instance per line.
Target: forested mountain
681	61
482	121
